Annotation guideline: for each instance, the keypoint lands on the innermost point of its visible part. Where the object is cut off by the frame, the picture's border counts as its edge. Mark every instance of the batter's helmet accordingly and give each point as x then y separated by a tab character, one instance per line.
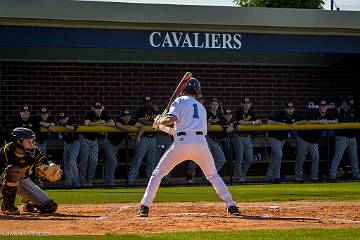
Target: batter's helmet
20	133
193	87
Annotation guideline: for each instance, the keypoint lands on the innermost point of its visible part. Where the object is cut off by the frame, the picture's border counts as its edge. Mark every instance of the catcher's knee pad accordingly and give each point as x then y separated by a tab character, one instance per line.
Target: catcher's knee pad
12	175
47	207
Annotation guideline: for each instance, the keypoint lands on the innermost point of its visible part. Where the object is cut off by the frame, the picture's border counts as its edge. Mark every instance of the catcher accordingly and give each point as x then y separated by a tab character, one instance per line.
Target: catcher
17	161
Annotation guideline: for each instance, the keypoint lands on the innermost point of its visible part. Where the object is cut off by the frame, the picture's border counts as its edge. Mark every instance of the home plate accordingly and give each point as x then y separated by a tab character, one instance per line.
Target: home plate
123	208
102	218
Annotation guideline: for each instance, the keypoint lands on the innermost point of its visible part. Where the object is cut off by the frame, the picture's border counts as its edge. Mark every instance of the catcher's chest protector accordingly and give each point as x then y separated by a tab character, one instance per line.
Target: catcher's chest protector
19	158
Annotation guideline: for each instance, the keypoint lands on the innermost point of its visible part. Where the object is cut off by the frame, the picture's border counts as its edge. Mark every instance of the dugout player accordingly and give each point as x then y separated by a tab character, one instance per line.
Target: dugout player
89	148
146	141
114	140
243	141
277	139
71	149
345	139
24	119
308	142
45	121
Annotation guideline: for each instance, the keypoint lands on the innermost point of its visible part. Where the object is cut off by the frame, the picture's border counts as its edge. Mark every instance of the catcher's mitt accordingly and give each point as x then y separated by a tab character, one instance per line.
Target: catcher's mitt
51	172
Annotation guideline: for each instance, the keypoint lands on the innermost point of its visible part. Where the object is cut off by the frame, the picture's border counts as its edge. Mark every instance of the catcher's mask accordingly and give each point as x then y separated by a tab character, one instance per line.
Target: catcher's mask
18	135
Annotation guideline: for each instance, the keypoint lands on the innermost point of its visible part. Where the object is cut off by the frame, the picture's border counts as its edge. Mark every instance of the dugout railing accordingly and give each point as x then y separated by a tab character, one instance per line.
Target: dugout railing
260	147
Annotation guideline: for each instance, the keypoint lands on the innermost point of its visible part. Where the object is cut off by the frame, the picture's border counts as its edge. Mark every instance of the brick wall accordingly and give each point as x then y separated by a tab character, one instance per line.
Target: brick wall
73	87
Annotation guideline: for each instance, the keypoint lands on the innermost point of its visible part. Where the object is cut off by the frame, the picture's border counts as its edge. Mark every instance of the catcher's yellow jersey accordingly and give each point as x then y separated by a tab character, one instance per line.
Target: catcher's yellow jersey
11	155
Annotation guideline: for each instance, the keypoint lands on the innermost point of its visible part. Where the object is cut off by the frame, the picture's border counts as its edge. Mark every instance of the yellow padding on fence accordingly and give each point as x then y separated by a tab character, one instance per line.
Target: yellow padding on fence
217	128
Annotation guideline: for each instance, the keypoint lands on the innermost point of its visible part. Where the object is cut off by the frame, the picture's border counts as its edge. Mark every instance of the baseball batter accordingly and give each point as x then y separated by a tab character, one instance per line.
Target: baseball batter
190	127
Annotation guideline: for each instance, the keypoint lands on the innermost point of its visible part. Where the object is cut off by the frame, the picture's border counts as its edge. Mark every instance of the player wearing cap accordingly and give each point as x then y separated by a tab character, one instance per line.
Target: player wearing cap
114	140
26	120
71	149
242	141
44	120
89	148
345	139
277	139
216	117
229	116
146	142
308	142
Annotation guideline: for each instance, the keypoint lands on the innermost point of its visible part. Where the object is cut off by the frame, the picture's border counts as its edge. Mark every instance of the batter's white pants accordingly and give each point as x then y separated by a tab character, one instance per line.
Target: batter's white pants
178	153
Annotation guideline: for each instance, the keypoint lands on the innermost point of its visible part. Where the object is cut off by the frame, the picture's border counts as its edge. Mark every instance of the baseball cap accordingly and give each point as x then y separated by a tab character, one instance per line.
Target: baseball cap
24	109
215	100
289	105
44	110
98	105
246	100
125	112
228	111
323	102
63	115
147	99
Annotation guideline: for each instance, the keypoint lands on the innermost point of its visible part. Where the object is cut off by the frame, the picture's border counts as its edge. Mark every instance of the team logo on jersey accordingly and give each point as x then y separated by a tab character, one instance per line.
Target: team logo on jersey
246	117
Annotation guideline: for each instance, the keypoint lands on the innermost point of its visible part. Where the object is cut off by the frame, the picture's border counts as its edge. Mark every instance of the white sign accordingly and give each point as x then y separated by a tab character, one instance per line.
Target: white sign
195	40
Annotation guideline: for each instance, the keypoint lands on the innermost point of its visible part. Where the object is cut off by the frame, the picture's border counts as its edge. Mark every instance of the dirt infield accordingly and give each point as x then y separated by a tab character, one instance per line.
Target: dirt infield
98	219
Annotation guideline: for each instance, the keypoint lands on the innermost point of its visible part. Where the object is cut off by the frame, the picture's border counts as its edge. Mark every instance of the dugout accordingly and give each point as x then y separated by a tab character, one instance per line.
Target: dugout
69	54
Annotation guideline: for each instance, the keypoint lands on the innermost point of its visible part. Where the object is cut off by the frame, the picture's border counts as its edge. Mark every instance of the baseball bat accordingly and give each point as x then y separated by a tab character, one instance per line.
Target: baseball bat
182	84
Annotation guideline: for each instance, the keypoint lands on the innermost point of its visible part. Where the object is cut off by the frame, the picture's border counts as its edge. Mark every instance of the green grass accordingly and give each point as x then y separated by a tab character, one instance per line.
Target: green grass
308	234
243	193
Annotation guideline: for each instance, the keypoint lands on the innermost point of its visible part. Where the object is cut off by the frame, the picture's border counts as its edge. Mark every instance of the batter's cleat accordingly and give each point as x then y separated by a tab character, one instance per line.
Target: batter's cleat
28	207
10	211
234	210
143	211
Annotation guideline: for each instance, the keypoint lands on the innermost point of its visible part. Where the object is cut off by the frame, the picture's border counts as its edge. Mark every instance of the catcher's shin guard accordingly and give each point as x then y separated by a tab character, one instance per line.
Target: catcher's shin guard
8	204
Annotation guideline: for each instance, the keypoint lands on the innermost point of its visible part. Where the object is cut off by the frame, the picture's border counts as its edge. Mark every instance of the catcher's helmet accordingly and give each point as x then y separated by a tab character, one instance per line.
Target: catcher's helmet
193	87
20	133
